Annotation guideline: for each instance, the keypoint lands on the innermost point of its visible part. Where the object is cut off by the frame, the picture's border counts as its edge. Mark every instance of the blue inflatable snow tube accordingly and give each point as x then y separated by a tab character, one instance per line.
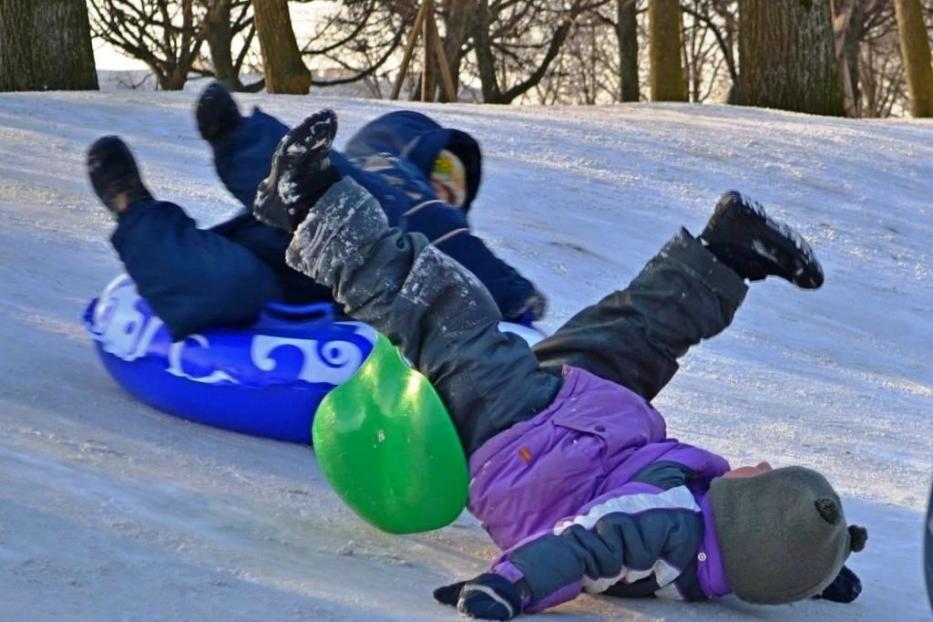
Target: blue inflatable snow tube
266	379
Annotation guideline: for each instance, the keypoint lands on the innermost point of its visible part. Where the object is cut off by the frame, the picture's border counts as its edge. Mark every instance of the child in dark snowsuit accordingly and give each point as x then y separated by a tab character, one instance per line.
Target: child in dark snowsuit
195	278
572	473
424	176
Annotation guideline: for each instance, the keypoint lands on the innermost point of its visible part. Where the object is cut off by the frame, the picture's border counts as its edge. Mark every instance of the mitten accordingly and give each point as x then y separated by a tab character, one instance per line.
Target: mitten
534	309
844	589
488	597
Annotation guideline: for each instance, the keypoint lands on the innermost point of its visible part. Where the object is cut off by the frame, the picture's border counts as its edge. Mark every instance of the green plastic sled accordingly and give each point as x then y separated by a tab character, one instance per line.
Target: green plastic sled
387	446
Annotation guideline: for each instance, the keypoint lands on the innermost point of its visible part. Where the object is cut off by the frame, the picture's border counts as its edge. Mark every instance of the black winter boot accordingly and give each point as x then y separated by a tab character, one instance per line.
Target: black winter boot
114	175
754	245
300	174
217	114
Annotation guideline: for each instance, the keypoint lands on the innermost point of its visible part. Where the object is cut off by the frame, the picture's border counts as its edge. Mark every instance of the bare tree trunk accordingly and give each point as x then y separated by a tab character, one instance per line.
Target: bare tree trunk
219	37
485	60
869	83
457	30
175	79
429	66
167	35
627	35
45	45
664	50
285	71
787	58
555	34
849	26
915	51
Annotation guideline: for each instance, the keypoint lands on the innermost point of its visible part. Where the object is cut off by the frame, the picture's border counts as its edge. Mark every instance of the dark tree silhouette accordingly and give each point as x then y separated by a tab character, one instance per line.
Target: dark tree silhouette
165	34
284	69
915	51
786	56
666	51
45	45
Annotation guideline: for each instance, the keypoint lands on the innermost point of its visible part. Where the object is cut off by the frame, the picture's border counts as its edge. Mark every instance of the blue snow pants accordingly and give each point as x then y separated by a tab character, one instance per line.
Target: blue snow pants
195	278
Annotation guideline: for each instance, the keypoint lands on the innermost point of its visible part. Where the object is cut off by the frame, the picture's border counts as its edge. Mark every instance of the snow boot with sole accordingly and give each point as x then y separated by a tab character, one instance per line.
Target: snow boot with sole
114	174
741	235
216	113
301	173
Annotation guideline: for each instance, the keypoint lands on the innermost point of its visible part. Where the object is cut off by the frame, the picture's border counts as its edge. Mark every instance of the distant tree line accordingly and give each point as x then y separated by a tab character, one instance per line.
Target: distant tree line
860	58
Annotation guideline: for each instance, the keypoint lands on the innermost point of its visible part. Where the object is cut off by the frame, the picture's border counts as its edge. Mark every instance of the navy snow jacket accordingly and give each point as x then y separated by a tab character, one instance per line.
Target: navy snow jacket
391	157
412	141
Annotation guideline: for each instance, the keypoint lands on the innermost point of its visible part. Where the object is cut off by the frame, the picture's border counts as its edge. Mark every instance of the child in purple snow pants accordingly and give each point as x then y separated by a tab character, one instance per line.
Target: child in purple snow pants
572	472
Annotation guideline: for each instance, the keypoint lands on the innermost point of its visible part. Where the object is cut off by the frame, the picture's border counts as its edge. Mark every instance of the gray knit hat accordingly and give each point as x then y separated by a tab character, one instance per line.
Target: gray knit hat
782	534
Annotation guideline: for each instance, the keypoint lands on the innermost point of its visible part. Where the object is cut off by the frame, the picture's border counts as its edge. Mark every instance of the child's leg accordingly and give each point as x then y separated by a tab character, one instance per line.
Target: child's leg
438	313
191	277
269	244
243	146
242	159
635	336
689	292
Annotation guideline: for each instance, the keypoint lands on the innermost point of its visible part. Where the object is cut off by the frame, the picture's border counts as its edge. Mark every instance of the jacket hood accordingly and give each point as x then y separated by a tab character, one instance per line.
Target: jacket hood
417	138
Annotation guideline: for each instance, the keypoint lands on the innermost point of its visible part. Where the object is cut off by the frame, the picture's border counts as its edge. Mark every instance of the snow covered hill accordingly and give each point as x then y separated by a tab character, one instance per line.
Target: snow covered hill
112	511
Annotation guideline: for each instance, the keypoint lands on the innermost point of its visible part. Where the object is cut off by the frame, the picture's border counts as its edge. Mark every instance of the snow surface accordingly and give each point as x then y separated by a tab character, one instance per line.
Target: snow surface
112	511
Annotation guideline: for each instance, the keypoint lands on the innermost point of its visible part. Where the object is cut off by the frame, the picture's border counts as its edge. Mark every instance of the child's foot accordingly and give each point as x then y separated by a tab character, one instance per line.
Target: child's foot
114	175
754	245
301	173
217	114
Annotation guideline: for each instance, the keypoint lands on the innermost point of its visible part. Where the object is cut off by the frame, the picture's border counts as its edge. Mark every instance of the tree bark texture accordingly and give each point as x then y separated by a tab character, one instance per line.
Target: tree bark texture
285	72
457	26
627	36
219	38
429	63
915	52
848	25
485	60
665	43
787	58
46	45
189	46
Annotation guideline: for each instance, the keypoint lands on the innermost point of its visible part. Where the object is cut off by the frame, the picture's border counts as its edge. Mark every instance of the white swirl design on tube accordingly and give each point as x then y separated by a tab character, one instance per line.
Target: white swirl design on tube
332	362
175	362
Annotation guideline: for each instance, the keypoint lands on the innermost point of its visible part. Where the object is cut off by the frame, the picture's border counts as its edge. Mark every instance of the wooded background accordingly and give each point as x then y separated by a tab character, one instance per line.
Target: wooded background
859	58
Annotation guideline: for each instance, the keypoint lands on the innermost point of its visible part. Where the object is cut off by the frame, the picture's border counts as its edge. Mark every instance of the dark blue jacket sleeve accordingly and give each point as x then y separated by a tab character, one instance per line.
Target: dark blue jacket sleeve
448	229
623	539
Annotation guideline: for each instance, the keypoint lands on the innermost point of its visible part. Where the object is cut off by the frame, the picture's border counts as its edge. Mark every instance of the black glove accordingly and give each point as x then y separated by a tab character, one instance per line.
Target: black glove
537	305
488	597
533	309
844	589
